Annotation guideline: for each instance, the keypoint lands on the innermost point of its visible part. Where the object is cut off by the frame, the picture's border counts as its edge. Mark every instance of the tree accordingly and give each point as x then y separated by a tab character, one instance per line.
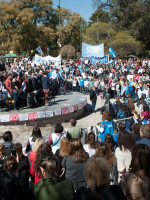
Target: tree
99	16
124	44
67	51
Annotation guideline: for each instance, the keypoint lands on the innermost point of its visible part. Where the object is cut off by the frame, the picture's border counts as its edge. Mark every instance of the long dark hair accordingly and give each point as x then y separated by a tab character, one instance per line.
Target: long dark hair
91	140
140	160
125	141
43	150
77	152
36	133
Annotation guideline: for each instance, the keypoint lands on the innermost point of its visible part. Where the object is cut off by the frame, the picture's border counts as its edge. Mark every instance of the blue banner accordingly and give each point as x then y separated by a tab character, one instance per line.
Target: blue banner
103	60
89	50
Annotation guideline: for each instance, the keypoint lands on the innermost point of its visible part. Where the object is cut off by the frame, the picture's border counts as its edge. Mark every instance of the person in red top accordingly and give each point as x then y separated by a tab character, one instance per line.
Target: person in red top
8	83
43	150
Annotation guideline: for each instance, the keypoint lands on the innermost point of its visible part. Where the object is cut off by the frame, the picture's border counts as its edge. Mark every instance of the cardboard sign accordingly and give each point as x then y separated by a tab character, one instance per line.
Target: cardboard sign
23	117
14	118
32	116
64	111
4	118
57	112
41	114
71	109
49	113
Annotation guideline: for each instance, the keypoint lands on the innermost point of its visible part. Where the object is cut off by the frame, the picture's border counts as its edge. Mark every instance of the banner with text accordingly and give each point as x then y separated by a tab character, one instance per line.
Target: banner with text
103	60
89	50
47	60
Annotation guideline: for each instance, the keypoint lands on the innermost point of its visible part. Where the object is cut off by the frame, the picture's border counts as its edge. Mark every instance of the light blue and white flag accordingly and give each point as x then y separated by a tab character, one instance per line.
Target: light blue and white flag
112	53
38	49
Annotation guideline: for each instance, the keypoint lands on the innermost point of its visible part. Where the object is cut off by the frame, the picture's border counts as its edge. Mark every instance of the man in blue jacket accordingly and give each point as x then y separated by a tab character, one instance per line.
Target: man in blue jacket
145	135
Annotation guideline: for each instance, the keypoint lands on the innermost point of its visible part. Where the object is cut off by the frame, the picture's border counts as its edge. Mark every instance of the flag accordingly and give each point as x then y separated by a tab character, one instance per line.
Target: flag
38	49
111	52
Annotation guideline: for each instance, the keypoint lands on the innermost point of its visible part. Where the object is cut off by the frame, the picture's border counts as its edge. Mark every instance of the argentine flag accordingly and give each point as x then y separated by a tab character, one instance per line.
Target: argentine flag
111	52
38	49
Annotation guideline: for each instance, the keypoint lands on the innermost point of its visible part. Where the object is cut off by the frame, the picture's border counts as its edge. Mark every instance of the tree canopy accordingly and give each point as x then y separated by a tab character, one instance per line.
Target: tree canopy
122	24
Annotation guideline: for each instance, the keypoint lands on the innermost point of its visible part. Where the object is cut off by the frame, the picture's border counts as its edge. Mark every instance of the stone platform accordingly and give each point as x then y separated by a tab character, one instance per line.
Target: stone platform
62	109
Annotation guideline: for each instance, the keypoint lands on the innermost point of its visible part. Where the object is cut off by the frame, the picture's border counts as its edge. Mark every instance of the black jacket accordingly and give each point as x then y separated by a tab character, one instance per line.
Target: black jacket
93	96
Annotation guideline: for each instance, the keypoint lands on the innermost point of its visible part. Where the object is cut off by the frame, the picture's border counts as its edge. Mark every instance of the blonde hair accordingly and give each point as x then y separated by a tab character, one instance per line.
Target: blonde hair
97	172
2	151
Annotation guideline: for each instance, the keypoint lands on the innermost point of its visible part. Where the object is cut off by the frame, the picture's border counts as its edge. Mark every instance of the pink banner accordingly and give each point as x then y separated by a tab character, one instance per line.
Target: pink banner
32	116
14	118
64	111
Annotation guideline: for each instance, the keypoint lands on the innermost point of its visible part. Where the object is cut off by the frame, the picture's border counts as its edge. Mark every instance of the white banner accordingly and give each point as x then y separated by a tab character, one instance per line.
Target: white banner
47	60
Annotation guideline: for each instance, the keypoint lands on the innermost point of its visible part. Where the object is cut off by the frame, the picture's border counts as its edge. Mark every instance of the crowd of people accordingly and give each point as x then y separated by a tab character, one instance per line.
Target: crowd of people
111	167
113	161
27	83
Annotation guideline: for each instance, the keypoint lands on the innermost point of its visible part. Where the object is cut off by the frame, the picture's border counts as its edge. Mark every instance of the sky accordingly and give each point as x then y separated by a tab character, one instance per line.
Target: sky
83	7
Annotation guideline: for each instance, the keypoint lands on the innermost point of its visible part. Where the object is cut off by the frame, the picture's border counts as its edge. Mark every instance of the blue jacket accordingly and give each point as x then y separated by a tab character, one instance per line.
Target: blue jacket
108	128
45	82
144	141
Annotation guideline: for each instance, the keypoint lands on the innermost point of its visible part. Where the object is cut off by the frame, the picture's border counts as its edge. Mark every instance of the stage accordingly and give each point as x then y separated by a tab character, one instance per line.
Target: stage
60	109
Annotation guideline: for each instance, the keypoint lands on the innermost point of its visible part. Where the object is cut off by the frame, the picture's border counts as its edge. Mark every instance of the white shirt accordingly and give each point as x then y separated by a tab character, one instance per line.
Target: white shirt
89	150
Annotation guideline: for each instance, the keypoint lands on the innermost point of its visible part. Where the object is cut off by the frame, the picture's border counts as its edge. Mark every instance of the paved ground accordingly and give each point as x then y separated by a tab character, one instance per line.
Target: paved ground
21	133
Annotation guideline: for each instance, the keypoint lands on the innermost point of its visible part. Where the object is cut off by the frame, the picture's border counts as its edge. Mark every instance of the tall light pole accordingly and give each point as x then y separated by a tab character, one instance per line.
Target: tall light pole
59	23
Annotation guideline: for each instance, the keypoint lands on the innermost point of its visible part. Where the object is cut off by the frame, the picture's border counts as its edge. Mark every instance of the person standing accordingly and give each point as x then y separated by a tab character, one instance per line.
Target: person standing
93	98
81	81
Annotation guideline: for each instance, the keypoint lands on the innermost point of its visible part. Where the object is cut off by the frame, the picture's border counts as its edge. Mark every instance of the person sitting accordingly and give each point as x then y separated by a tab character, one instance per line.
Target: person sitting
106	126
8	144
135	184
90	146
74	131
53	185
97	175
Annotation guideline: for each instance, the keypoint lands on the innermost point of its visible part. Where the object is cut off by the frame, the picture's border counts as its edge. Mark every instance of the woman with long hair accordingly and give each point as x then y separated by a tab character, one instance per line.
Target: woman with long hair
43	150
74	163
64	149
36	133
136	183
90	145
123	153
53	185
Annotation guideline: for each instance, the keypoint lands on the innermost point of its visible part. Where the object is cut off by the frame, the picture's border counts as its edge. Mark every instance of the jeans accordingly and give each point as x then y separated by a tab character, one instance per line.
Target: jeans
93	106
82	89
15	95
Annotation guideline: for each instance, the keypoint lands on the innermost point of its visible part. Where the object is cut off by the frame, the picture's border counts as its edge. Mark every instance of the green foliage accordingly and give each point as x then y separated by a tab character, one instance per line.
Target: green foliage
131	16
